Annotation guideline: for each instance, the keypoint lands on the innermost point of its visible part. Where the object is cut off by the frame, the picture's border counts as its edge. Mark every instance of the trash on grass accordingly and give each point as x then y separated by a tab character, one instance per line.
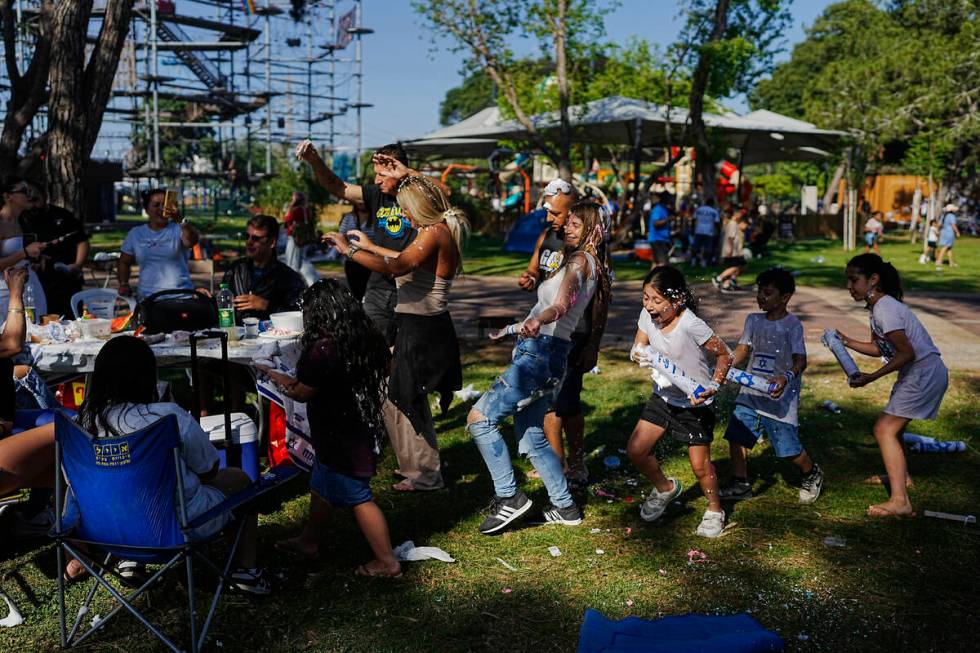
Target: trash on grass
599	492
506	564
629	603
599	552
963	519
694	556
506	590
835	542
595	370
408	552
612	462
831	406
14	617
554	551
467	393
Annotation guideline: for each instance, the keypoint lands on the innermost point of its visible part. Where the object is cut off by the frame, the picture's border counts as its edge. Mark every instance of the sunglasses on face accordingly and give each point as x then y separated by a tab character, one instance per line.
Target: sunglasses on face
252	238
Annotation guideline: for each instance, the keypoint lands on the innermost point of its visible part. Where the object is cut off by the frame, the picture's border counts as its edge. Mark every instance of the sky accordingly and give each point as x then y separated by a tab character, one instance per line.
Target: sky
406	81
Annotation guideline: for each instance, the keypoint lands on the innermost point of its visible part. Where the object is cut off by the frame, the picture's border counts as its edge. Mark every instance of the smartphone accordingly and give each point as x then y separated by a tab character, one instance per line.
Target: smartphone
170	205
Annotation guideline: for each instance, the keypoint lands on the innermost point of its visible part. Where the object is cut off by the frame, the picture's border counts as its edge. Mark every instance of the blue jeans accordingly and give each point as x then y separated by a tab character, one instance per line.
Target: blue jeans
525	390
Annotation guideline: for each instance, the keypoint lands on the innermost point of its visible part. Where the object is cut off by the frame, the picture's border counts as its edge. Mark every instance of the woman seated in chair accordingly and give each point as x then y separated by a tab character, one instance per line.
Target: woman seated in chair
26	459
122	398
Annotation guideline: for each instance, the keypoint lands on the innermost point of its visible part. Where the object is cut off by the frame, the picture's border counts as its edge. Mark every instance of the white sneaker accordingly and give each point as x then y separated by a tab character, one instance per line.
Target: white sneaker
922	259
655	505
712	524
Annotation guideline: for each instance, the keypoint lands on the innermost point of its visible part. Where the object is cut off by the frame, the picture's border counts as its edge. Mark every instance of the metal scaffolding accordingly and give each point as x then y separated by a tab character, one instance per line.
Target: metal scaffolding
237	72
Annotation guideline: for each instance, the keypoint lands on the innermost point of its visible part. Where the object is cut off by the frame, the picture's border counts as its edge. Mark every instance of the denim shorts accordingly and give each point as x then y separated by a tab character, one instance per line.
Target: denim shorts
339	489
746	426
536	370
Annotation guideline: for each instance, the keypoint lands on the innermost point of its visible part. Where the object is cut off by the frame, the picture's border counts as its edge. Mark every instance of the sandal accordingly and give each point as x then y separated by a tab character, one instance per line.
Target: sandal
406	485
364	570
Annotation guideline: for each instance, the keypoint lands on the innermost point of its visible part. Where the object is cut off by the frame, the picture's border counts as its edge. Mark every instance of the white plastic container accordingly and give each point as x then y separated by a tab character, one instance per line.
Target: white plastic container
243	452
95	328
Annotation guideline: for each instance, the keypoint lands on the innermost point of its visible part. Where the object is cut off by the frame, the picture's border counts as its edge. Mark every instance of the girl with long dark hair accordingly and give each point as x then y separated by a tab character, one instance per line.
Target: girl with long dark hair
899	338
16	196
341	377
526	388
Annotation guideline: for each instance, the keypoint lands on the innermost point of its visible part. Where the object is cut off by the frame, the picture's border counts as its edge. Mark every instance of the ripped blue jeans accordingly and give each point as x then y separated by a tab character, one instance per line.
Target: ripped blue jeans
525	390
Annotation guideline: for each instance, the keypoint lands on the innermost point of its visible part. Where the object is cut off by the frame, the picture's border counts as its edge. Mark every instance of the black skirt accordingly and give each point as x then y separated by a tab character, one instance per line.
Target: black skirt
426	360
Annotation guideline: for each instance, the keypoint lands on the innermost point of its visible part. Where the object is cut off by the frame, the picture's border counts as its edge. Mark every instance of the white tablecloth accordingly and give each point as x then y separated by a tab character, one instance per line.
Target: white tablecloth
79	356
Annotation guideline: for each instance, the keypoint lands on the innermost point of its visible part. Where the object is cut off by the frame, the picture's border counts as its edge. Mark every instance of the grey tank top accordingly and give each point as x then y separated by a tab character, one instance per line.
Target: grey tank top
421	292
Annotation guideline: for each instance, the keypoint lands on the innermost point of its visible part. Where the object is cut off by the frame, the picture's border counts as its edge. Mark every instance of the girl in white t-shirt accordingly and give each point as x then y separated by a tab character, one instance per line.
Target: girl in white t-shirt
669	327
902	342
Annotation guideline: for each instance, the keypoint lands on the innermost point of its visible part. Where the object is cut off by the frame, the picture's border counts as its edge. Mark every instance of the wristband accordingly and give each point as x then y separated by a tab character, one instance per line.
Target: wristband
352	249
790	375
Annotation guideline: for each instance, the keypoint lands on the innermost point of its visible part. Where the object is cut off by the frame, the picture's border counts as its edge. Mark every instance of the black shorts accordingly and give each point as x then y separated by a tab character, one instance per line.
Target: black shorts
568	400
661	252
693	425
733	261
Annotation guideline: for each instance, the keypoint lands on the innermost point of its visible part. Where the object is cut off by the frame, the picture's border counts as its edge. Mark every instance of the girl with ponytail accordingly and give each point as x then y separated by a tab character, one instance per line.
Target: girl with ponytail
426	352
899	338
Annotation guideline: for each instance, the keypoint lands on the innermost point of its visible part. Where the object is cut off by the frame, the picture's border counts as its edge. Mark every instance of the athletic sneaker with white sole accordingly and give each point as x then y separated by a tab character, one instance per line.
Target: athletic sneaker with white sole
655	505
503	511
811	486
567	516
712	524
250	581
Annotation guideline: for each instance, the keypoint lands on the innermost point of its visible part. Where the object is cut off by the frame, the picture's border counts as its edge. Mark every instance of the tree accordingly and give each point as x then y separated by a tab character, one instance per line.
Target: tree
474	94
79	93
732	43
481	29
28	90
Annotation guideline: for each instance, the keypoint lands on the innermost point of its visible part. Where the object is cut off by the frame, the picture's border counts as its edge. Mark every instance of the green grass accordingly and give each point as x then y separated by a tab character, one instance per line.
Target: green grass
897	586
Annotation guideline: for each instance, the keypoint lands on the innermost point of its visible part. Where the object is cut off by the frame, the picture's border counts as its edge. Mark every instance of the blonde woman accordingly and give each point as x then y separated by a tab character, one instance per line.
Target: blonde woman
426	353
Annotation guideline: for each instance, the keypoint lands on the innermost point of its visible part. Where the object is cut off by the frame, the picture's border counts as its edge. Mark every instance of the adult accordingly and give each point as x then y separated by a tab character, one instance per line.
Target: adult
565	414
60	269
948	233
426	349
300	232
262	284
732	244
706	223
658	230
17	197
392	231
122	399
524	390
357	275
160	248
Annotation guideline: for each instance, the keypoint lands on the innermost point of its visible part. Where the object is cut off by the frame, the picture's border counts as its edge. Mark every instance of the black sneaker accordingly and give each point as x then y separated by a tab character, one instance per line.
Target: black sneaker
568	516
250	581
735	491
503	511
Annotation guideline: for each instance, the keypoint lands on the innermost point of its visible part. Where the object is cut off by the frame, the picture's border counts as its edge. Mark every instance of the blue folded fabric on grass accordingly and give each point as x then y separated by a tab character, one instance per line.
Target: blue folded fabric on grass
690	633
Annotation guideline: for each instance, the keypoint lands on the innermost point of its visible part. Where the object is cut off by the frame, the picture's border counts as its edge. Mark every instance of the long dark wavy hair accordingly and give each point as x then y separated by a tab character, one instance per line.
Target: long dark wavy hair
331	313
125	372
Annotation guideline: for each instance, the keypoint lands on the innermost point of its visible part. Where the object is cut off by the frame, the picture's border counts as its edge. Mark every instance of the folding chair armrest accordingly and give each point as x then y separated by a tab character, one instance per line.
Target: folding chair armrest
270	481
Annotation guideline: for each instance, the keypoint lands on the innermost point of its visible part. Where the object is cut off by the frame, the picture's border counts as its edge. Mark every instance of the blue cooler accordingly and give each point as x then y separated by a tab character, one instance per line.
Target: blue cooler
243	451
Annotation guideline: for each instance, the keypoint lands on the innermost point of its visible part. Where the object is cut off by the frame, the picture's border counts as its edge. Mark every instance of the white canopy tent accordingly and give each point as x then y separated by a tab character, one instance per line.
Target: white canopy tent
761	136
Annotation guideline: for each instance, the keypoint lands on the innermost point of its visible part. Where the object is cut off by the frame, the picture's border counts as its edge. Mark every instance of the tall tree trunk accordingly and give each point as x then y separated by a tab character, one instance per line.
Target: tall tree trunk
699	86
828	196
561	71
28	91
79	94
64	163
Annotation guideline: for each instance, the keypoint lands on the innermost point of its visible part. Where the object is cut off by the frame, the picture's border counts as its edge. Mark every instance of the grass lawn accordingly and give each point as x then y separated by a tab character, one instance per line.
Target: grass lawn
897	585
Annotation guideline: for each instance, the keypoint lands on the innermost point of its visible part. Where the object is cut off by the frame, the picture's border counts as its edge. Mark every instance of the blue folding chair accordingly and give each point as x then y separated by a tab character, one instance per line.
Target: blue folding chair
126	499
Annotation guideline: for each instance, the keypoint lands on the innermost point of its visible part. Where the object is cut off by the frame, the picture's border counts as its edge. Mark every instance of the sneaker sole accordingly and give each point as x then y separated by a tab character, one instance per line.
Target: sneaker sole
563	522
517	513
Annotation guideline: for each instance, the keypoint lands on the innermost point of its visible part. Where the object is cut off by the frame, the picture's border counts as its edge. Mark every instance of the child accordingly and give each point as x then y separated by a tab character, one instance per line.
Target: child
775	340
932	242
898	337
341	376
668	325
732	244
873	231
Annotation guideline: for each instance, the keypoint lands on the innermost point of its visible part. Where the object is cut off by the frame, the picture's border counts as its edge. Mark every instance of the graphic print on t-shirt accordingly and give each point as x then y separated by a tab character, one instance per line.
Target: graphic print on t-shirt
391	220
763	364
550	260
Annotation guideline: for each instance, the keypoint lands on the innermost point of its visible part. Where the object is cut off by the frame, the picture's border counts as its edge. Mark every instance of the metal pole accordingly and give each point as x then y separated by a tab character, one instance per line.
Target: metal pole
333	68
360	80
268	90
309	75
156	85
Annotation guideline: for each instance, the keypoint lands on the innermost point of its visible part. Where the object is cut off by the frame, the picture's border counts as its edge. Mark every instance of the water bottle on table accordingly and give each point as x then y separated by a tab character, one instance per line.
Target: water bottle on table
226	312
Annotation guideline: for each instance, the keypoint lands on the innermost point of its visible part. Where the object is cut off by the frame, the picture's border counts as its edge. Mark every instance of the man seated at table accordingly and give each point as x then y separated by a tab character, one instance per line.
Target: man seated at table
263	285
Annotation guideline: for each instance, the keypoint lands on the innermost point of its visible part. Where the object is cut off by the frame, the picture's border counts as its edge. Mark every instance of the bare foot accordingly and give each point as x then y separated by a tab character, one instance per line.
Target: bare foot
407	485
297	547
891	509
882	479
533	473
378	569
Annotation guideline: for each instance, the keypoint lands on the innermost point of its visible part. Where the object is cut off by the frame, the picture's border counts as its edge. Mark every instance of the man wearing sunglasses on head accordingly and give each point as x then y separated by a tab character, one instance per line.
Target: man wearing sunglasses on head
261	284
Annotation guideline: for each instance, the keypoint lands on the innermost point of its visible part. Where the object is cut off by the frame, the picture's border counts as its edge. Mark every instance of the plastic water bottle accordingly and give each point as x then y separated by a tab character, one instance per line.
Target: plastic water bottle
30	312
226	312
831	406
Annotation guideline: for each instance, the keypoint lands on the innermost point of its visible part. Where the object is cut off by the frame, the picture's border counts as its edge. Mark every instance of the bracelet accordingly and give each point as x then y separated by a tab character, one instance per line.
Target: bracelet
352	249
15	310
790	375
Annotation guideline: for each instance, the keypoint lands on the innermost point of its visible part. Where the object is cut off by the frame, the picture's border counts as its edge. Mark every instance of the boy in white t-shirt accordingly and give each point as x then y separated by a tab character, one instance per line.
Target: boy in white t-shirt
778	353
